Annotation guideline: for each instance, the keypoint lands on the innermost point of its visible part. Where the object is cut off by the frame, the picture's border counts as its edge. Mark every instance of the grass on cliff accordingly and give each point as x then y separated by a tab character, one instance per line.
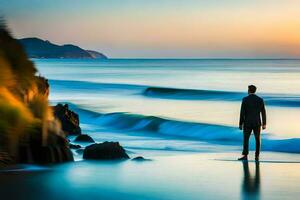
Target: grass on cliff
23	96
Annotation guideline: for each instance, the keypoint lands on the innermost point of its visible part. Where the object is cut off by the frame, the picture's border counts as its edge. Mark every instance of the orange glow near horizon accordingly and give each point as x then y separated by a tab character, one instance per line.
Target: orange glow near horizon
167	28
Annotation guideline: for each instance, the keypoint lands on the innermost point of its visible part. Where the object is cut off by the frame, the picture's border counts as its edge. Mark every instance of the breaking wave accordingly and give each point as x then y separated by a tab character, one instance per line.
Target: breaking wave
199	131
214	95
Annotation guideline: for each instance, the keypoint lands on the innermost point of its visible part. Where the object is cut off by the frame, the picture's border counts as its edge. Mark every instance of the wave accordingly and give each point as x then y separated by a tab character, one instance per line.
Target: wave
200	131
168	93
192	94
86	86
136	122
215	95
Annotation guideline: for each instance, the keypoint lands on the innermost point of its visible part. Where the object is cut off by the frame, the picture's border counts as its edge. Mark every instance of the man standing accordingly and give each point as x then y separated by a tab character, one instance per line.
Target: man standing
250	120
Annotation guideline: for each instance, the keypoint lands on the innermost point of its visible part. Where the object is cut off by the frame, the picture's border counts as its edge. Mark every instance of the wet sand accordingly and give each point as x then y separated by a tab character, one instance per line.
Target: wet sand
167	176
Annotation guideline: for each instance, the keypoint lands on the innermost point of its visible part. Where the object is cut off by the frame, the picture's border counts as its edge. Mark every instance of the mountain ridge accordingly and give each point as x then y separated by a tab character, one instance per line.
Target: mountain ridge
39	48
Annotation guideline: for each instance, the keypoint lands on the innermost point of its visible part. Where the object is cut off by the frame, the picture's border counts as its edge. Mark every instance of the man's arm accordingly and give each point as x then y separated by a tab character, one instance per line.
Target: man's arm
263	114
242	115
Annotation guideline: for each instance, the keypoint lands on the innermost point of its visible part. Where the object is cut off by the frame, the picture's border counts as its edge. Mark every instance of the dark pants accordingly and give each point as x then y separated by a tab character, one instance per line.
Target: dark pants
247	133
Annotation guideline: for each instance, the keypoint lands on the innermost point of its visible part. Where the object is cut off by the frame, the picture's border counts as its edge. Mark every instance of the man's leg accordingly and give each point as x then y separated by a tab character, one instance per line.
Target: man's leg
247	132
256	131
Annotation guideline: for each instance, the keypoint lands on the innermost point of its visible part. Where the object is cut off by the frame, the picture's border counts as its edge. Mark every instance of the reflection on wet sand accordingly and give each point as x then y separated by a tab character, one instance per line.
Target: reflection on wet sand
251	184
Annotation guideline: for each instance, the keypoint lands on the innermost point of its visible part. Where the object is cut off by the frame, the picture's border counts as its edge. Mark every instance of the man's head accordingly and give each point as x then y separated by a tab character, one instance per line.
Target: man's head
251	89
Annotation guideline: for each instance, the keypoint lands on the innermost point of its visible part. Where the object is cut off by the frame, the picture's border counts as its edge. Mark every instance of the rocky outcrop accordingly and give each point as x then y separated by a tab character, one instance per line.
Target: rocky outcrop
54	150
6	160
105	151
45	154
84	138
139	158
69	119
28	131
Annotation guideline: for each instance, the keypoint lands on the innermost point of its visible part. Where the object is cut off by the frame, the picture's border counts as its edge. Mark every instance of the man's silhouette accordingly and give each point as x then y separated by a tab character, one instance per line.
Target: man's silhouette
250	120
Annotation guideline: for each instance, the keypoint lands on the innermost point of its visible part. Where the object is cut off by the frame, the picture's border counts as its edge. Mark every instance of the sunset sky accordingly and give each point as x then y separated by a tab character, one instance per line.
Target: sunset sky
163	28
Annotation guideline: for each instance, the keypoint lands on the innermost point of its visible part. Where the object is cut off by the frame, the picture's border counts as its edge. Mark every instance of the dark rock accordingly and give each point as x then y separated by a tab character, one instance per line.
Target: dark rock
51	154
84	138
55	149
69	119
6	160
105	151
74	146
139	158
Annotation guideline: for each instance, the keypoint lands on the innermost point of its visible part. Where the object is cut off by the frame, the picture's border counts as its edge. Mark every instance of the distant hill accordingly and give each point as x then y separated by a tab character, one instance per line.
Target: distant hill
96	54
38	48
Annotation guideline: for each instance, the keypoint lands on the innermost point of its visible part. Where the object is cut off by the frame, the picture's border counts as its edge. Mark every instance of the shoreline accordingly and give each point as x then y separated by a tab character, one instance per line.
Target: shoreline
205	177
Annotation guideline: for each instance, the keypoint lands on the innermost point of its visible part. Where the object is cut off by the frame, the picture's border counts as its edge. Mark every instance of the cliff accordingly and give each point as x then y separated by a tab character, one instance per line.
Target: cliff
28	131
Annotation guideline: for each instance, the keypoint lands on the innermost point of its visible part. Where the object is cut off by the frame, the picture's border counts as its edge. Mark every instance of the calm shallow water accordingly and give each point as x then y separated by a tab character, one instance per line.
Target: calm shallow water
173	177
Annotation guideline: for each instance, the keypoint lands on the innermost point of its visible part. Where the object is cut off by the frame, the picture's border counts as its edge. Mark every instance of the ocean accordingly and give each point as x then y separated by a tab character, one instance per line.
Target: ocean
182	116
191	102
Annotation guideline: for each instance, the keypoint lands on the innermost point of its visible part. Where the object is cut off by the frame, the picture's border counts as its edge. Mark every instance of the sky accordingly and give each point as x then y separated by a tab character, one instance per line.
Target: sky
163	28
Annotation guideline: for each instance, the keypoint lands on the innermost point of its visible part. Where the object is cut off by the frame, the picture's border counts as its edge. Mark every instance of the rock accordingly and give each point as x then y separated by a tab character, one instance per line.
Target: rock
5	160
105	151
139	158
45	154
74	146
48	154
69	119
56	150
84	138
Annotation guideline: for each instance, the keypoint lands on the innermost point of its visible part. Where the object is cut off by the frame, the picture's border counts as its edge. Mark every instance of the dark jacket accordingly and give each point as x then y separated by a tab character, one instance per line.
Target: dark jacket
251	108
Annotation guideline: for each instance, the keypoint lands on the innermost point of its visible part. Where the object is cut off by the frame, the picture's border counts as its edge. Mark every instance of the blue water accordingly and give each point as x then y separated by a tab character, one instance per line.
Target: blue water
190	100
169	178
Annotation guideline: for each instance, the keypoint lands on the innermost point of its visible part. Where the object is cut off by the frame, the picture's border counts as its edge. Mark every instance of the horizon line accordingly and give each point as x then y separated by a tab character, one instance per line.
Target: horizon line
182	58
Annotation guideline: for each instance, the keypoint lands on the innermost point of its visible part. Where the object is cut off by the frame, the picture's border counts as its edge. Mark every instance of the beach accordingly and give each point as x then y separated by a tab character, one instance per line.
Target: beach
168	176
149	100
182	117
